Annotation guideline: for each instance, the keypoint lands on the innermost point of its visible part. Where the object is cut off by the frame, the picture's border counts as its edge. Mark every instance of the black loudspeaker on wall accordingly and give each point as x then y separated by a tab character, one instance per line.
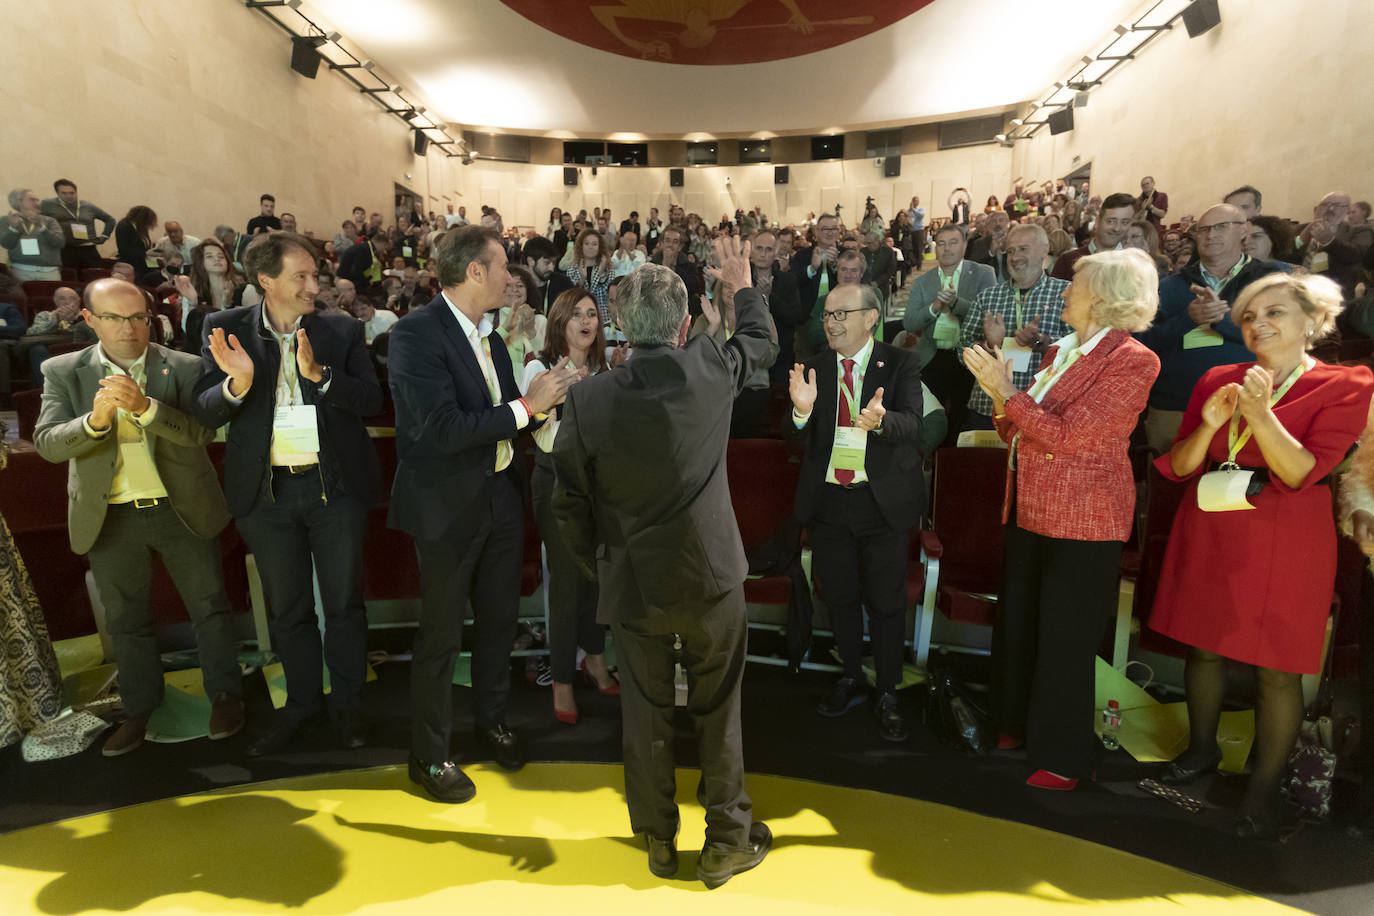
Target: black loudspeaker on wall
780	174
675	178
1201	16
305	60
892	166
1061	122
421	143
570	177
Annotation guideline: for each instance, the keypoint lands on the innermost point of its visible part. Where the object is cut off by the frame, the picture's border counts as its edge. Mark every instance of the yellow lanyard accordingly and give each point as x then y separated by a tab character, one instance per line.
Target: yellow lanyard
952	280
1237	438
1017	294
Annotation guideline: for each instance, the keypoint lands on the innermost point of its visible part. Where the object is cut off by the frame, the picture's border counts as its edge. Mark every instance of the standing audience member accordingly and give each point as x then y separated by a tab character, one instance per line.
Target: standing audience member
939	302
1109	233
1151	205
77	218
814	267
1193	331
1268	238
300	474
519	325
212	286
133	241
591	268
459	493
670	254
574	338
628	256
1070	503
1331	246
33	241
140	483
779	289
857	409
176	240
641	499
1246	199
265	221
1282	423
1020	315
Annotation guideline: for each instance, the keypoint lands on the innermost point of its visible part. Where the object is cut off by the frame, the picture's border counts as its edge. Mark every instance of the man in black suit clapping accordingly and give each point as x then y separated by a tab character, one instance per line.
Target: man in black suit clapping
642	502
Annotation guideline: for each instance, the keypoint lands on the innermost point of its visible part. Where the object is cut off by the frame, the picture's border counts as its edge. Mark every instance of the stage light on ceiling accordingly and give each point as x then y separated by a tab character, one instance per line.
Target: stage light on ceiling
332	36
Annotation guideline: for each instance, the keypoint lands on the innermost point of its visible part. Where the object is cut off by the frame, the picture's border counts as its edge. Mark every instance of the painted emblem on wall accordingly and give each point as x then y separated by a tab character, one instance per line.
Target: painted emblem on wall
713	31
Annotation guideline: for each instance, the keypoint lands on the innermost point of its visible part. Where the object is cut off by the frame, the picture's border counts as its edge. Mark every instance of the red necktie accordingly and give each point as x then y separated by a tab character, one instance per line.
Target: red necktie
843	477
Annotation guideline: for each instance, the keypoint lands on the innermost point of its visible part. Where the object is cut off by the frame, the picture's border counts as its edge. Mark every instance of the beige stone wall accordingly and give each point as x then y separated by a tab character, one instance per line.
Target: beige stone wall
190	107
1273	97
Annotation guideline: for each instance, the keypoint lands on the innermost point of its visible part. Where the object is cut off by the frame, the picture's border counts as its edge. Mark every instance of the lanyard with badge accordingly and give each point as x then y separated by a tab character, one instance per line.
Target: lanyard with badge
29	246
1017	355
79	230
1226	488
1206	335
946	330
851	443
293	423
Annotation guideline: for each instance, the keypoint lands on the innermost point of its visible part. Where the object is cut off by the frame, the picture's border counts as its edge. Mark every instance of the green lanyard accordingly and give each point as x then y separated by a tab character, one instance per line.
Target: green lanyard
1238	439
1017	295
1230	274
952	280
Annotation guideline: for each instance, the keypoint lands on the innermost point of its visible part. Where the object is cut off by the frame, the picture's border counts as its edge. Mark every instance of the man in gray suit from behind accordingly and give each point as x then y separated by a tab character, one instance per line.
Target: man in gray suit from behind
939	302
139	481
642	501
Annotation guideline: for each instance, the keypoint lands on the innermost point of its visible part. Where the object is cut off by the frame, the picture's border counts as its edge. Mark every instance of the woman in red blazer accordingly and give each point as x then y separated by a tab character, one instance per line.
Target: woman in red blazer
1070	496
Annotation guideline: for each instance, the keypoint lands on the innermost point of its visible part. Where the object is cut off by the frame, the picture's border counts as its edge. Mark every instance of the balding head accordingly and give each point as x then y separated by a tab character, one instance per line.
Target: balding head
67	303
109	305
1220	237
174	232
123	271
1333	207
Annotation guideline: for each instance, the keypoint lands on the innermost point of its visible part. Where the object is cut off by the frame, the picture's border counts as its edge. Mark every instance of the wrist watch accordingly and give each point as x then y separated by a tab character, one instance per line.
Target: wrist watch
326	374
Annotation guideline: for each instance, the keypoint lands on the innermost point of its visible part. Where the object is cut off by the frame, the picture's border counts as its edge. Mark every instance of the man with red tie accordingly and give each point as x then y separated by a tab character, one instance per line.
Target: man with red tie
857	409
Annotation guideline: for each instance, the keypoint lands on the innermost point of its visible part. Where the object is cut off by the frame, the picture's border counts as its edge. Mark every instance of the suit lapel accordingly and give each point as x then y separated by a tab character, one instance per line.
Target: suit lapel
876	375
158	377
827	391
89	373
454	332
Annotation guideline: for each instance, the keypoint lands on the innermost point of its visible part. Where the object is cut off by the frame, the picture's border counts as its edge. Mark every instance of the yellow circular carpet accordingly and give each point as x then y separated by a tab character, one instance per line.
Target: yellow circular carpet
552	839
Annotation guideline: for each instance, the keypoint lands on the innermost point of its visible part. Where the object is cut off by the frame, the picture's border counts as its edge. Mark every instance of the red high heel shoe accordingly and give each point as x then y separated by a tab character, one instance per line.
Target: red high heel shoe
1044	779
1009	742
611	691
567	717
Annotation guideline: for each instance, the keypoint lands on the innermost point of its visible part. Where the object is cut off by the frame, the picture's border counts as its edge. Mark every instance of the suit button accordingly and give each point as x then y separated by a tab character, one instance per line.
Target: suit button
490	472
1049	457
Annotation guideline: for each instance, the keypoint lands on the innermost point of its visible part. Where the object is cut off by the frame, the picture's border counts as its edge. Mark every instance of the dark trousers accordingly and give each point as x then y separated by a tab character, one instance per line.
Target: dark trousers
478	559
860	563
949	381
1367	694
122	561
572	596
713	647
1057	597
285	535
81	256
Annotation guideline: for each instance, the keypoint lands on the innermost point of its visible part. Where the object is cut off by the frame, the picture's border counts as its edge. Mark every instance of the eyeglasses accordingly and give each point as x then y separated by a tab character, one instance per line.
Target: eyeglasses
839	314
135	321
1208	230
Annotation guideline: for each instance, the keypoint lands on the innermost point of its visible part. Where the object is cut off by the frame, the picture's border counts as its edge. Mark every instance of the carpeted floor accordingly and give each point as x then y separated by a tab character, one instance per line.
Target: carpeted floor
1320	869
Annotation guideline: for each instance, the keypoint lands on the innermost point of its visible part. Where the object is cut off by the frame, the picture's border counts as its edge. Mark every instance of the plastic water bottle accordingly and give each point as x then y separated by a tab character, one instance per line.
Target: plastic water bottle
1111	726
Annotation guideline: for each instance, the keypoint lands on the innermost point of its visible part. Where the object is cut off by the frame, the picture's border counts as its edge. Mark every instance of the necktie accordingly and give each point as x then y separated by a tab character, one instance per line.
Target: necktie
825	281
504	450
844	477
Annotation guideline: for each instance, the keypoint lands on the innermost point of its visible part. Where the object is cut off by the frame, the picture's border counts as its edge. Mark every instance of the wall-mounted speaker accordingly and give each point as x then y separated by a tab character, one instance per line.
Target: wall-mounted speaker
676	179
305	60
1061	122
570	177
1201	16
780	174
892	166
421	142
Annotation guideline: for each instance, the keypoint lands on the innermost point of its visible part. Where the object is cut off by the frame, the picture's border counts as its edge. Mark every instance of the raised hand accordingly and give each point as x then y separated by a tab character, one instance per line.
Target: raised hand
549	388
994	330
871	417
125	393
1217	410
733	256
711	313
801	385
1028	333
305	358
232	360
1256	389
184	288
1206	308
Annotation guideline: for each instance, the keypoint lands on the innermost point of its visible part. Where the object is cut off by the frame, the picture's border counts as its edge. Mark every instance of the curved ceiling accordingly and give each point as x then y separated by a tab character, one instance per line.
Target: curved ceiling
734	68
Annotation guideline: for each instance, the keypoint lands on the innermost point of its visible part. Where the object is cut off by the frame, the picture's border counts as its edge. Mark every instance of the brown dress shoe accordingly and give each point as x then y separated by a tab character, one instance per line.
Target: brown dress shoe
128	737
226	716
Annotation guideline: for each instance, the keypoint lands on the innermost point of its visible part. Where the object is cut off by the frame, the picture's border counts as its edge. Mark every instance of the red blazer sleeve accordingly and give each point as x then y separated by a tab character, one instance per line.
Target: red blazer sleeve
1107	411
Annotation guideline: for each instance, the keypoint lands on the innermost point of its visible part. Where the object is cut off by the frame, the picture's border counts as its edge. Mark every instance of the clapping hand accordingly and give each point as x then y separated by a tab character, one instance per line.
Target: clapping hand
124	392
185	289
305	358
991	371
1362	527
1217	409
994	330
944	299
232	360
801	385
1206	308
871	417
1028	333
549	388
1256	389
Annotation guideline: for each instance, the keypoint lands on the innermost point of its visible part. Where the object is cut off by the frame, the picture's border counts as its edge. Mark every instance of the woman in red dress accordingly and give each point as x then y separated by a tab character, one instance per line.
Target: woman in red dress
1254	584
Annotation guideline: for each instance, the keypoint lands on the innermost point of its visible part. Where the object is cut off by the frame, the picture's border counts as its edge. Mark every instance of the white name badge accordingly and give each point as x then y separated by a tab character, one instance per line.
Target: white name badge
1019	356
28	247
1198	338
851	445
80	231
1224	491
407	251
1320	262
294	428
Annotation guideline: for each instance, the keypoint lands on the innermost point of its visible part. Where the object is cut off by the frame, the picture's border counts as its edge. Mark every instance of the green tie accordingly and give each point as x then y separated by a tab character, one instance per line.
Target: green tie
825	281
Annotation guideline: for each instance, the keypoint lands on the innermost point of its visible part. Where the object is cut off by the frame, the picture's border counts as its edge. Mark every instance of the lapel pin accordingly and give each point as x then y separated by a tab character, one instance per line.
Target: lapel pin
881	364
164	370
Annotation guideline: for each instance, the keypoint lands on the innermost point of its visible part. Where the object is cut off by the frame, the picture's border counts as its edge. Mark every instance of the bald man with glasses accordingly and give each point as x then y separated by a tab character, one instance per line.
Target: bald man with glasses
140	482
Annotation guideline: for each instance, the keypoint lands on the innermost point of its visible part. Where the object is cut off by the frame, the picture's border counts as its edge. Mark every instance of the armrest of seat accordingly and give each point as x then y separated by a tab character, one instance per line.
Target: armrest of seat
931	546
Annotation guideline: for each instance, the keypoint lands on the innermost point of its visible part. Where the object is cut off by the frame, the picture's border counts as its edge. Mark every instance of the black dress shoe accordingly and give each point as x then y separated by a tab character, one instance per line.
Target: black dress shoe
504	746
715	867
278	735
891	720
443	781
844	695
662	856
350	731
1177	774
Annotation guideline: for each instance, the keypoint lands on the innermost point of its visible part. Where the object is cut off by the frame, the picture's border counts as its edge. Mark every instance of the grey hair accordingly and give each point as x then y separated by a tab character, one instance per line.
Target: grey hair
1124	285
223	232
1033	229
17	197
652	303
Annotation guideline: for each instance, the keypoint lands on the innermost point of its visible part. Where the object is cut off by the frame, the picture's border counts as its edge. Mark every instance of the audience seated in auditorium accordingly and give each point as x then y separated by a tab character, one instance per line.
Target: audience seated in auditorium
177	240
1329	244
266	220
77	218
213	285
629	255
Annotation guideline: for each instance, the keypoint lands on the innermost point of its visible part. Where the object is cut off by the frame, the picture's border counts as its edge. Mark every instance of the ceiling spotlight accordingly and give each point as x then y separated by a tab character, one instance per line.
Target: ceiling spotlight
369	64
398	89
1087	60
1017	122
294	4
1121	29
332	36
419	110
1001	138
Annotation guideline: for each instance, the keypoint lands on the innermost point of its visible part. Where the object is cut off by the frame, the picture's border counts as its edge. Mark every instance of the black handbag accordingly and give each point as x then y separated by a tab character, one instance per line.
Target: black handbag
952	713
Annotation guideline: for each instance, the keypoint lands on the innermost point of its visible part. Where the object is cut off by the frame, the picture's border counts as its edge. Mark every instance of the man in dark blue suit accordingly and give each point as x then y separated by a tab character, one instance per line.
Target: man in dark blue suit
299	472
459	492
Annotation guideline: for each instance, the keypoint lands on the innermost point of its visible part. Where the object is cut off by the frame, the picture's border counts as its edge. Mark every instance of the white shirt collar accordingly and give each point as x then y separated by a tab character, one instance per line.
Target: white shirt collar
860	358
470	330
140	363
267	323
1067	344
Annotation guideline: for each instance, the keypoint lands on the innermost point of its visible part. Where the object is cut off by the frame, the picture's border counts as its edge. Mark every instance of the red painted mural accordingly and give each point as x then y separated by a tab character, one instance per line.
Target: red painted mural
713	32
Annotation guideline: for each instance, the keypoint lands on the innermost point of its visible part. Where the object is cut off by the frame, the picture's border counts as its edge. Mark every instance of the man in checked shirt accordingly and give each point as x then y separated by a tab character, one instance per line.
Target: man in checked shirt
1020	315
